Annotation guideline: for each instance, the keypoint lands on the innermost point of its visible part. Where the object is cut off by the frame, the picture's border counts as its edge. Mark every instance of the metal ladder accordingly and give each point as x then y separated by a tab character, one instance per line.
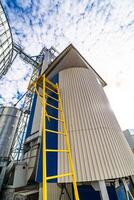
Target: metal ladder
49	88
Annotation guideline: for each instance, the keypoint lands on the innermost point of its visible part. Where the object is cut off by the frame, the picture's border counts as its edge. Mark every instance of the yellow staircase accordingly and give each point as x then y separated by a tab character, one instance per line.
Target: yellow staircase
44	89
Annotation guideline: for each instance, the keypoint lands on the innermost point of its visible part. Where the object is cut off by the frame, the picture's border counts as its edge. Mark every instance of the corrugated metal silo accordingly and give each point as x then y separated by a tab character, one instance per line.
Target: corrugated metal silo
98	145
9	117
99	149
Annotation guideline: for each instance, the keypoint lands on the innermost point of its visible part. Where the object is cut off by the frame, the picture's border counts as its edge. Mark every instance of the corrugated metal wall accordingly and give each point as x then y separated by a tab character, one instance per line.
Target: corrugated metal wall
99	148
9	118
54	192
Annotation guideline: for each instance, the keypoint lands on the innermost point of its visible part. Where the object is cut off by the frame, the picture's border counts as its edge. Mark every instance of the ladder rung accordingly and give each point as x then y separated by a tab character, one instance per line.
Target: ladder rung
53	106
51	90
51	83
58	176
47	95
53	131
49	116
57	150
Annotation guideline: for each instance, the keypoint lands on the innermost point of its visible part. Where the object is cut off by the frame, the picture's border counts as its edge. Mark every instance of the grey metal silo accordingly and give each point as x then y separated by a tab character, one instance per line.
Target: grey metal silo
9	117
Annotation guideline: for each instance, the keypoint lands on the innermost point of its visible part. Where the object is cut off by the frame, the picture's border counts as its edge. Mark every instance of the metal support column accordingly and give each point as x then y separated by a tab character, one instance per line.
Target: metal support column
103	190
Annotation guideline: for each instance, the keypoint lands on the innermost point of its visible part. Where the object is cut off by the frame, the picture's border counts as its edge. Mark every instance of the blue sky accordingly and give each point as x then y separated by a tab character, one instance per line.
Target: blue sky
102	30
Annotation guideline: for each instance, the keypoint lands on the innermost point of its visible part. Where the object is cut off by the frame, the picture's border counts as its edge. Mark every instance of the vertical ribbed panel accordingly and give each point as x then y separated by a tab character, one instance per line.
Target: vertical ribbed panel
54	191
99	148
9	118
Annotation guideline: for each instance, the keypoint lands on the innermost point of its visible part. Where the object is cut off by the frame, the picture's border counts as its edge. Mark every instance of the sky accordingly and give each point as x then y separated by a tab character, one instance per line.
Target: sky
103	32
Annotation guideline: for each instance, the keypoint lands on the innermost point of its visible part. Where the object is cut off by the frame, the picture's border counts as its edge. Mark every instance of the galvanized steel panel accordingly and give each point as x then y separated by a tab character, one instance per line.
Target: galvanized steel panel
99	148
9	117
54	191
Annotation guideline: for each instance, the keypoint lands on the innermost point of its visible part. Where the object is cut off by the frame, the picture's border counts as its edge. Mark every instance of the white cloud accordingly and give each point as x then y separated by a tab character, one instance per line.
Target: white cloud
16	80
24	3
102	31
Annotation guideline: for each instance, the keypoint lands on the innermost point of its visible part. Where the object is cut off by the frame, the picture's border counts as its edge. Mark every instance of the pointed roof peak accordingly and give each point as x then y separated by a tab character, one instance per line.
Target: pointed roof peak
70	57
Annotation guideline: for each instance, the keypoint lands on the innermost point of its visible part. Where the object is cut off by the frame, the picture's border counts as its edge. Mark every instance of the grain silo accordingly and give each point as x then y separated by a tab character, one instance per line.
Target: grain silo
99	149
9	118
102	159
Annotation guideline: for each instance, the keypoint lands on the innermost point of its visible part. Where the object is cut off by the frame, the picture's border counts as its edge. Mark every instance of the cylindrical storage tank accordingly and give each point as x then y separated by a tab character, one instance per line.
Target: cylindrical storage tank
6	43
98	146
9	118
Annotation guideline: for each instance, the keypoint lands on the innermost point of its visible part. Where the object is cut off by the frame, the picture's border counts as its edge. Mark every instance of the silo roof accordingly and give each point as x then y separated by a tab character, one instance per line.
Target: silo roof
70	57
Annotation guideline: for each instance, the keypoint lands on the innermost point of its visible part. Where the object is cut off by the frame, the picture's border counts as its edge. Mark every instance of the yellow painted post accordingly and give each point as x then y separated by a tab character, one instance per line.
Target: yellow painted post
44	177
